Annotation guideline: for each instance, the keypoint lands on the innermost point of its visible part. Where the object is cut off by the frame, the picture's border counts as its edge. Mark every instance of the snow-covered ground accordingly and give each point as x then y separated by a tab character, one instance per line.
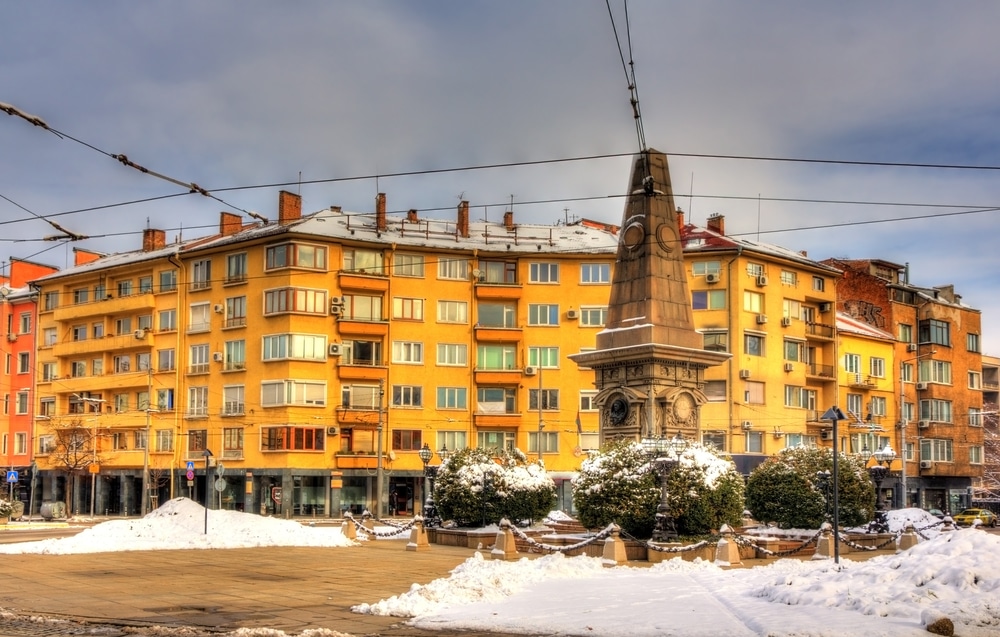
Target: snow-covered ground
955	574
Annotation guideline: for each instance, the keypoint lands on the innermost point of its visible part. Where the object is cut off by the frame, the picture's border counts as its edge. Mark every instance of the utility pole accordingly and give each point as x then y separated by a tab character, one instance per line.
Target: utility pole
541	423
379	473
145	451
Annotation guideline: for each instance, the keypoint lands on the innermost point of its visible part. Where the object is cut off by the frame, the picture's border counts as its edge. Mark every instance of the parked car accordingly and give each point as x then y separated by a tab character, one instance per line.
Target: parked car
968	516
938	513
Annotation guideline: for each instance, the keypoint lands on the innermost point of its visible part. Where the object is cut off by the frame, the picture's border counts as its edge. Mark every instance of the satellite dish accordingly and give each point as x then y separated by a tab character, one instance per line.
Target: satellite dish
4	292
477	273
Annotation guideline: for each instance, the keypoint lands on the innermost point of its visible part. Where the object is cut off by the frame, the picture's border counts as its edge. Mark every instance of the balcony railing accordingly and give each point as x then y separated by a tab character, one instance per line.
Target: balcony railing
819	330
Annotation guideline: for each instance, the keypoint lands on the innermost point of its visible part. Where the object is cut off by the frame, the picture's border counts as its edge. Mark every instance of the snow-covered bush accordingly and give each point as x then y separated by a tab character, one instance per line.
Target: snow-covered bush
785	489
476	486
6	508
619	484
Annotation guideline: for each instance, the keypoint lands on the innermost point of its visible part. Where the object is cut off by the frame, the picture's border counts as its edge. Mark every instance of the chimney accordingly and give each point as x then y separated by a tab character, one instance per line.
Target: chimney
153	239
717	223
229	223
463	219
680	219
380	212
289	207
411	215
508	220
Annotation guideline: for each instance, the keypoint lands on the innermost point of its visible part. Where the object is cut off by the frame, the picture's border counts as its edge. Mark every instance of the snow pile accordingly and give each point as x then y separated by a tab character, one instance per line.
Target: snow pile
180	524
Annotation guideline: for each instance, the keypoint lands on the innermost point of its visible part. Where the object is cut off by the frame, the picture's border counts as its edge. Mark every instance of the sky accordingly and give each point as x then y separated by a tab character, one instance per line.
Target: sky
954	574
341	100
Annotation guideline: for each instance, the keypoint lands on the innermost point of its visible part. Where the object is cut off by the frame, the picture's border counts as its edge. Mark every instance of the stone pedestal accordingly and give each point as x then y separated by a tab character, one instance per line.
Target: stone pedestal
504	548
614	549
418	537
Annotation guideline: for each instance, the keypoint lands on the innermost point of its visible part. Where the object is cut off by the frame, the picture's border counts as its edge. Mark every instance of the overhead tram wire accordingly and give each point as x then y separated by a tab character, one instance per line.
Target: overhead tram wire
629	70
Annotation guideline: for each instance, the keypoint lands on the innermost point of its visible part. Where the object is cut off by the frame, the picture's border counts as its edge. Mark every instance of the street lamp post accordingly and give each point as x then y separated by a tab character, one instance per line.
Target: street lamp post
664	455
878	472
426	454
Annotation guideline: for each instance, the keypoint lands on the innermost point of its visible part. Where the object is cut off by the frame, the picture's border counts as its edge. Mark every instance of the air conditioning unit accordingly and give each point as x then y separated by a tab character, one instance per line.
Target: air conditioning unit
140	334
911	347
921	386
217	357
761	281
572	315
336	310
746	425
825	307
530	371
789	367
761	319
331	431
926	464
786	321
744	373
336	349
923	424
12	337
218	308
712	278
826	434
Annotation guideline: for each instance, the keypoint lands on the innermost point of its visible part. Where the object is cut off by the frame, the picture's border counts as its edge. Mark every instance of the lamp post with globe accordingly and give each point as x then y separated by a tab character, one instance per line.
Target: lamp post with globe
878	472
664	455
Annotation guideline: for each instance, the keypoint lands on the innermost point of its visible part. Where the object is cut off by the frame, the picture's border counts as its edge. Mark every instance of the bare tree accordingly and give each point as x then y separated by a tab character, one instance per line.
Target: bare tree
73	452
158	477
989	488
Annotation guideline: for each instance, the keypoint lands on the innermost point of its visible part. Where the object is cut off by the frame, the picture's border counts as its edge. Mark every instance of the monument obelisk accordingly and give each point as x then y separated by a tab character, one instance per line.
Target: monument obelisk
649	363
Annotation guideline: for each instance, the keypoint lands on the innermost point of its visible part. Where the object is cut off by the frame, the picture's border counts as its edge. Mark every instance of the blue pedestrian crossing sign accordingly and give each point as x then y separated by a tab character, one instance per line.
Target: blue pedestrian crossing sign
190	465
12	476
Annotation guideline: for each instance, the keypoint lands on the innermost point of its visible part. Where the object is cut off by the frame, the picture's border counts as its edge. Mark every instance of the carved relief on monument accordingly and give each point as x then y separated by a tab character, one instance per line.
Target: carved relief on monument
666	237
621	410
681	408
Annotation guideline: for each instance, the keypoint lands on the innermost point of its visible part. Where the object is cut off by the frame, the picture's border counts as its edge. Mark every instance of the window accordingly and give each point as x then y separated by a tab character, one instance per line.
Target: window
496	440
753	392
753	344
51	301
799	440
406	439
878	406
234	355
407	308
232	442
142	400
905	333
753	302
789	278
819	284
549	439
877	366
295	255
201	274
496	357
593	316
452	398
168	280
165	399
972	342
550	399
452	312
793	396
123	326
145	285
498	272
97	367
934	331
122	364
451	440
23	362
124	288
293	392
362	308
544	357
809	399
168	320
236	268
21	403
790	308
197	401
145	322
97	329
975	454
48	371
975	380
587	397
408	265
932	371
792	350
100	292
165	360
294	300
360	397
716	341
407	396
543	314
78	369
200	321
852	363
497	315
164	440
701	268
236	311
714	439
363	261
708	299
232	400
595	273
307	347
906	372
909	412
358	352
496	400
715	390
543	273
290	438
755	269
755	442
452	354
81	295
142	360
454	269
855	405
936	410
936	450
198	359
121	403
407	352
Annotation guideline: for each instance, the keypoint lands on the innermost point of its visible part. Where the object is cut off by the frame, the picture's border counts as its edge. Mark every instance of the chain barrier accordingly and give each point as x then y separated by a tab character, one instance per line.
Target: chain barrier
399	528
550	548
667	549
746	542
875	547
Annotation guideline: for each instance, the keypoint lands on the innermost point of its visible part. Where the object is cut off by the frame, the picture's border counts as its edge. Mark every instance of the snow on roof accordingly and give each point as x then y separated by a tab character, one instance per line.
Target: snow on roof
847	323
698	239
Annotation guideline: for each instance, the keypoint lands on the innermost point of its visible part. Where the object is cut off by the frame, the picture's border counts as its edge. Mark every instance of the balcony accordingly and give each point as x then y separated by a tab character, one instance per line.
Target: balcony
822	372
350	417
105	382
362	328
109	343
107	307
819	331
361	280
359	461
498	334
498	376
499	291
857	381
361	372
512	419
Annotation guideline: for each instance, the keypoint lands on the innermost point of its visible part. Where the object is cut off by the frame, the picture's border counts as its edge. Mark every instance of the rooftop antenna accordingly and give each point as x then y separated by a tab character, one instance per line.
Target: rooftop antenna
758	216
691	199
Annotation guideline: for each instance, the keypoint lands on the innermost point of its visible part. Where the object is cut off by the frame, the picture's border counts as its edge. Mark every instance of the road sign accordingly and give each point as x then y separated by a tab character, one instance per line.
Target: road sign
220	484
190	475
276	494
12	476
190	465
